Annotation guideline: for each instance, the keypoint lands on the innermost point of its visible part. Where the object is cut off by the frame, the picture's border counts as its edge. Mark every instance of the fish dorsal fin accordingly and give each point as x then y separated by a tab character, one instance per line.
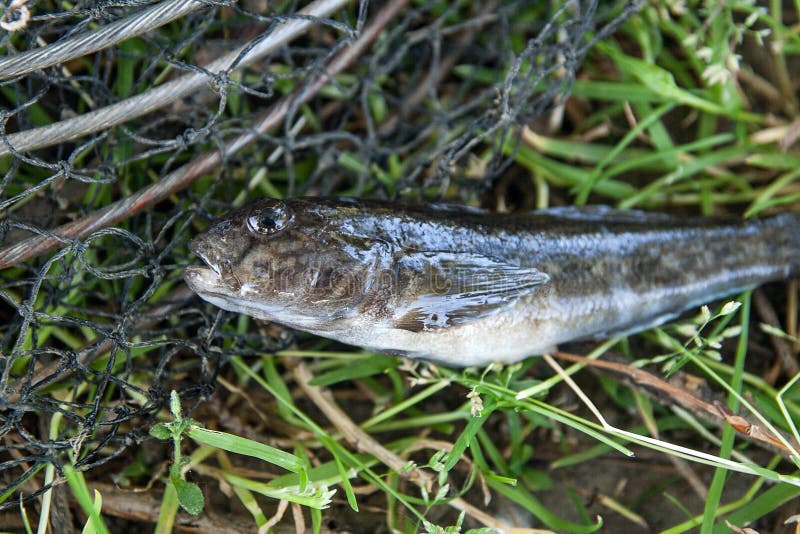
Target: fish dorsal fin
458	208
602	213
452	288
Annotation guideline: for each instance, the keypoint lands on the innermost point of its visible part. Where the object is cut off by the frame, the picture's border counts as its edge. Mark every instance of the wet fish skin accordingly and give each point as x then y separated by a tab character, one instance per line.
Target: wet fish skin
465	287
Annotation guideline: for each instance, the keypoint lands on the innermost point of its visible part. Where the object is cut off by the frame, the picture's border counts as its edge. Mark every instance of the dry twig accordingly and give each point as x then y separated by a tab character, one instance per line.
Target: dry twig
662	390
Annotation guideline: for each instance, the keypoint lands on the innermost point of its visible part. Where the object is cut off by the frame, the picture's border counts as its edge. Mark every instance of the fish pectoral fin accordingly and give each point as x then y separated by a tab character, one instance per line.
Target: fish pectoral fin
413	320
456	288
446	314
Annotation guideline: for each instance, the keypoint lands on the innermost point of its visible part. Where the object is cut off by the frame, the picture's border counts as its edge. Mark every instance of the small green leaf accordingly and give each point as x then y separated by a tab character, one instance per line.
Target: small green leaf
190	496
359	369
378	107
248	447
26	522
160	431
89	527
779	161
353	163
175	404
466	437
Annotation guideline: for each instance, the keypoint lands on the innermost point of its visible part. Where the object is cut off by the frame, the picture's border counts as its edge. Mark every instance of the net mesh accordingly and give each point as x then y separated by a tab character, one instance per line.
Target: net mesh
126	125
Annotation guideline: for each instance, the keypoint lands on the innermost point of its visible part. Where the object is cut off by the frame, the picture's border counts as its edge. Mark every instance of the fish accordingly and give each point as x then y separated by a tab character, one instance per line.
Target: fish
462	287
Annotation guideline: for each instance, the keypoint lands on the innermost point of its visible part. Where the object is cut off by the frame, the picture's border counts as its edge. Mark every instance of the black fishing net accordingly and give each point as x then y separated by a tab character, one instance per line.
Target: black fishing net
127	125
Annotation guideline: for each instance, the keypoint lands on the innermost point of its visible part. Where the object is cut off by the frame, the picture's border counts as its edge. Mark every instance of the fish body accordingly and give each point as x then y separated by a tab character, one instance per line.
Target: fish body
464	287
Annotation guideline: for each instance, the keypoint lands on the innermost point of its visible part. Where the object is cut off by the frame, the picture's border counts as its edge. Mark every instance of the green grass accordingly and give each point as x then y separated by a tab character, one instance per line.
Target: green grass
663	122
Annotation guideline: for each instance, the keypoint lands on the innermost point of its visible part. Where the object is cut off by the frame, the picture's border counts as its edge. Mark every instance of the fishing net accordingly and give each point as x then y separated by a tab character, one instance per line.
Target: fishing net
127	125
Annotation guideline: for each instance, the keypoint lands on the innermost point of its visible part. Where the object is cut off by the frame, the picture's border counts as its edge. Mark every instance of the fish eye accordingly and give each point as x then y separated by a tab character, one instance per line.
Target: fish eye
270	220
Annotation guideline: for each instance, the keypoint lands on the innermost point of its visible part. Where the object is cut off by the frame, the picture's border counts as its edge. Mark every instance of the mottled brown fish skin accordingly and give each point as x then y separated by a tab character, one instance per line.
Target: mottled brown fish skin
467	287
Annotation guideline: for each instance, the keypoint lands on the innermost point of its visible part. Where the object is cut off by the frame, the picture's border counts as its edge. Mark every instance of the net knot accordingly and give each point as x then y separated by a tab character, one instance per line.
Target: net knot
77	248
64	168
188	137
98	12
220	82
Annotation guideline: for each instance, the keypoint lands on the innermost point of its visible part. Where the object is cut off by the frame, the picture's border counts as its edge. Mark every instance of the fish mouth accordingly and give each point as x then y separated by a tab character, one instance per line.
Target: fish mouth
215	275
201	279
208	286
198	248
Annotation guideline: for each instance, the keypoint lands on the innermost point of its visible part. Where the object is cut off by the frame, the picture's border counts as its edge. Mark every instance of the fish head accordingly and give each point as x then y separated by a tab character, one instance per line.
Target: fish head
297	262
